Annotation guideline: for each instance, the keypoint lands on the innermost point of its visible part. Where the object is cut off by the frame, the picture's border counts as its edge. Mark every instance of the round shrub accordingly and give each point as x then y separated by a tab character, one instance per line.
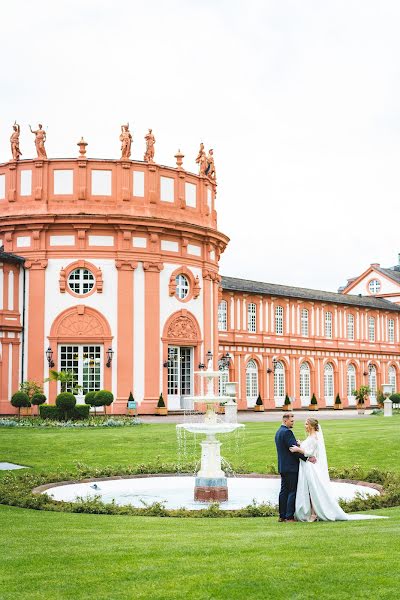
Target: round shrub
104	398
65	402
38	399
20	400
90	398
395	398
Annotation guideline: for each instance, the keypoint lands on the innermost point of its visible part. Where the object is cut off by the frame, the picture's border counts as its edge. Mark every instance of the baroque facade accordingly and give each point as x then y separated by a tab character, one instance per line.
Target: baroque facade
109	268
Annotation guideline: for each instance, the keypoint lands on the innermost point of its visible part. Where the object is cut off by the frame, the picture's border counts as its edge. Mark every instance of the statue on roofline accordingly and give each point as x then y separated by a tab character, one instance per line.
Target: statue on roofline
14	140
210	169
150	141
126	142
201	160
40	138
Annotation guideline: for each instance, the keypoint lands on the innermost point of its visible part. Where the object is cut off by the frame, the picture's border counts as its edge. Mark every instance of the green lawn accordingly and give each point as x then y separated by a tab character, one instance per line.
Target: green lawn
59	555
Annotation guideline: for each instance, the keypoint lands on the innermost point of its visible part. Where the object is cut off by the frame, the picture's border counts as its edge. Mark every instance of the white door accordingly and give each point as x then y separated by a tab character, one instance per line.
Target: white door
180	375
86	364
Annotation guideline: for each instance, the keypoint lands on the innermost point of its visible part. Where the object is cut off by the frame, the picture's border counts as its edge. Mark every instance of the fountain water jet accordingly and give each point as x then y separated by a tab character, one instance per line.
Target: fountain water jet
211	482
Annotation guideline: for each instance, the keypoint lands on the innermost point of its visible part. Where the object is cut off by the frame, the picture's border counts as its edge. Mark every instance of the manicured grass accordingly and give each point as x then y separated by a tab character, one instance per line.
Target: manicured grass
61	556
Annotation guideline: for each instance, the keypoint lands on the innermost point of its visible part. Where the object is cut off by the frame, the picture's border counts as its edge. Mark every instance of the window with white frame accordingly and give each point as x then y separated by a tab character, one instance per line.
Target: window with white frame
223	315
374	286
251	382
279	320
251	317
372	381
304	322
182	286
81	281
305	383
351	380
85	362
392	378
223	380
350	327
371	329
279	382
391	331
328	383
328	324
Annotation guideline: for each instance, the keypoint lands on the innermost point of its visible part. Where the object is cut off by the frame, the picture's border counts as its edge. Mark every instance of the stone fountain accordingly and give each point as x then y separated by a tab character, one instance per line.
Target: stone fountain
211	482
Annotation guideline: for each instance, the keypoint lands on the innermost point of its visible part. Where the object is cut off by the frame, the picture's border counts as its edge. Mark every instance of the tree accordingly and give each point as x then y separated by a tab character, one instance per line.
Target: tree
66	379
104	398
31	388
20	400
65	401
38	399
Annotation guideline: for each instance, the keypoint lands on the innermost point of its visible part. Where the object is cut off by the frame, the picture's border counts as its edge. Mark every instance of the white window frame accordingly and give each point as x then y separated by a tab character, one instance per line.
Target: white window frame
374	286
371	329
182	286
77	362
304	322
81	281
392	378
251	382
223	316
279	313
351	383
279	383
329	384
390	329
328	324
305	387
251	317
222	381
350	327
372	382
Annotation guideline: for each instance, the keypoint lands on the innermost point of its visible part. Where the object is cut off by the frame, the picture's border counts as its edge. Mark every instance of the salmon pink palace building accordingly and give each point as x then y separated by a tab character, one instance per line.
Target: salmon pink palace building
109	268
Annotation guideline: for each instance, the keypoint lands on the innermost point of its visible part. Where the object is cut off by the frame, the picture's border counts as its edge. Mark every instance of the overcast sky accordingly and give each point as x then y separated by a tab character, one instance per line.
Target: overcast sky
300	101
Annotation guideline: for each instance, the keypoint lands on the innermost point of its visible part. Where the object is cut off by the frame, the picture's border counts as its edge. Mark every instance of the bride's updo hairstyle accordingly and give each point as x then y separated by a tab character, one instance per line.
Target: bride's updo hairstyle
313	423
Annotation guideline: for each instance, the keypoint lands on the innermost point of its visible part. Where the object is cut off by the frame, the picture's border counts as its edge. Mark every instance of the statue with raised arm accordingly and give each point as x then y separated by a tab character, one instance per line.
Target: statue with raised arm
210	168
40	138
150	141
201	160
14	140
126	142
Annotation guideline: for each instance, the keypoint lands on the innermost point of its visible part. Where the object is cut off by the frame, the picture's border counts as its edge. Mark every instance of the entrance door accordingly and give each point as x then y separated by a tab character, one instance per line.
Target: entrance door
86	364
180	375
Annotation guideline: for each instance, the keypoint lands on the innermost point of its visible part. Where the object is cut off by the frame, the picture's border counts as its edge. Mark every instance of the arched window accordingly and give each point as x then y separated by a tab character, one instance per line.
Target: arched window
372	382
279	383
304	322
279	320
392	378
328	324
223	380
251	382
182	286
251	317
391	331
371	329
328	384
351	382
305	384
223	315
350	327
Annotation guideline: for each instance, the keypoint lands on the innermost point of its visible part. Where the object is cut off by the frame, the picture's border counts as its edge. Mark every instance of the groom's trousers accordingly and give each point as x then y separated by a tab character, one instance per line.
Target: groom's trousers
287	495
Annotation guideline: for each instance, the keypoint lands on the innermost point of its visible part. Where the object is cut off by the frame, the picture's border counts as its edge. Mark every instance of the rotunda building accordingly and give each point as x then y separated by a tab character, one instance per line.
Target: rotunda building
109	269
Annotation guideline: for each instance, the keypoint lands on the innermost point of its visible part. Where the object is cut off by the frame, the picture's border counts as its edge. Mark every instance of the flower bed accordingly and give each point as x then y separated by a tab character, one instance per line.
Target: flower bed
91	422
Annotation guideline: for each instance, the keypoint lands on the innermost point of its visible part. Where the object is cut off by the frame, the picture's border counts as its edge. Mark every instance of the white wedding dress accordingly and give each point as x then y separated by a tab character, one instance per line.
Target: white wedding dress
314	489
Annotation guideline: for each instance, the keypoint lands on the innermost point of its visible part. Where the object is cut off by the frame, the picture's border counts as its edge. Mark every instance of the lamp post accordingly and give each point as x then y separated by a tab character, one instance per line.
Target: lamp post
110	354
49	356
387	403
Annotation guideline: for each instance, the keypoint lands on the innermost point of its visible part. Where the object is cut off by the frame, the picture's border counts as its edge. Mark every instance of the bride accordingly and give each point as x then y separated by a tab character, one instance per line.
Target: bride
315	498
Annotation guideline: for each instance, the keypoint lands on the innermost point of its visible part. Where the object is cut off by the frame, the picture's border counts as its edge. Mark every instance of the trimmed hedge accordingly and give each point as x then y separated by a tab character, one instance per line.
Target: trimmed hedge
77	413
38	399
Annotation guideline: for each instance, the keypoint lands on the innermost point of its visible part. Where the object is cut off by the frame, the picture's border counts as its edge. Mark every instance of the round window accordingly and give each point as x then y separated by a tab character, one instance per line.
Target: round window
81	281
374	286
182	286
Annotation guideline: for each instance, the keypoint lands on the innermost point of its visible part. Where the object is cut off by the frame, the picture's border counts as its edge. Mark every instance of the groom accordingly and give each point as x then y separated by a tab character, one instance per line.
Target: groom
288	467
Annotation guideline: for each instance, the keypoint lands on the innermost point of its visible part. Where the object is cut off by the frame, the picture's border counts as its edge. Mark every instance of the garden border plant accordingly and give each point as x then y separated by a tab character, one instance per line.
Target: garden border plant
21	490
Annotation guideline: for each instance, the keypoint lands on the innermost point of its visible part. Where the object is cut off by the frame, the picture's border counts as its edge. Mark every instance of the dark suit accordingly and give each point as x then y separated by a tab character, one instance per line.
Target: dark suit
288	467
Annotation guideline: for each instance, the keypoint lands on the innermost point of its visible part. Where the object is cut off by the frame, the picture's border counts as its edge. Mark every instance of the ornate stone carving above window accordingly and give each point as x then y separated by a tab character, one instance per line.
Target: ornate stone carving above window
194	284
81	264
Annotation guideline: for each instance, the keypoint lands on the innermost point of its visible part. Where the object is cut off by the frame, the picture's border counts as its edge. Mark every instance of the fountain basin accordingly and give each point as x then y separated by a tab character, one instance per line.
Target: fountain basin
210	428
177	491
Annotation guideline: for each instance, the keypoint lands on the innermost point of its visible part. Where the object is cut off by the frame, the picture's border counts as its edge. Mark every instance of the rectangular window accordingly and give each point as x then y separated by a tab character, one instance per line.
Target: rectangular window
279	320
304	322
350	327
190	194
167	189
251	317
138	184
2	187
101	183
85	364
391	331
26	182
328	325
63	182
223	316
371	329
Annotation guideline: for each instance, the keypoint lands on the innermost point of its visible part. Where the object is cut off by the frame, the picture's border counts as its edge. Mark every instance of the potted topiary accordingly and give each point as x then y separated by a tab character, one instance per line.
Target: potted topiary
338	403
20	400
259	406
361	397
38	399
90	399
313	403
161	409
287	403
65	401
104	398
